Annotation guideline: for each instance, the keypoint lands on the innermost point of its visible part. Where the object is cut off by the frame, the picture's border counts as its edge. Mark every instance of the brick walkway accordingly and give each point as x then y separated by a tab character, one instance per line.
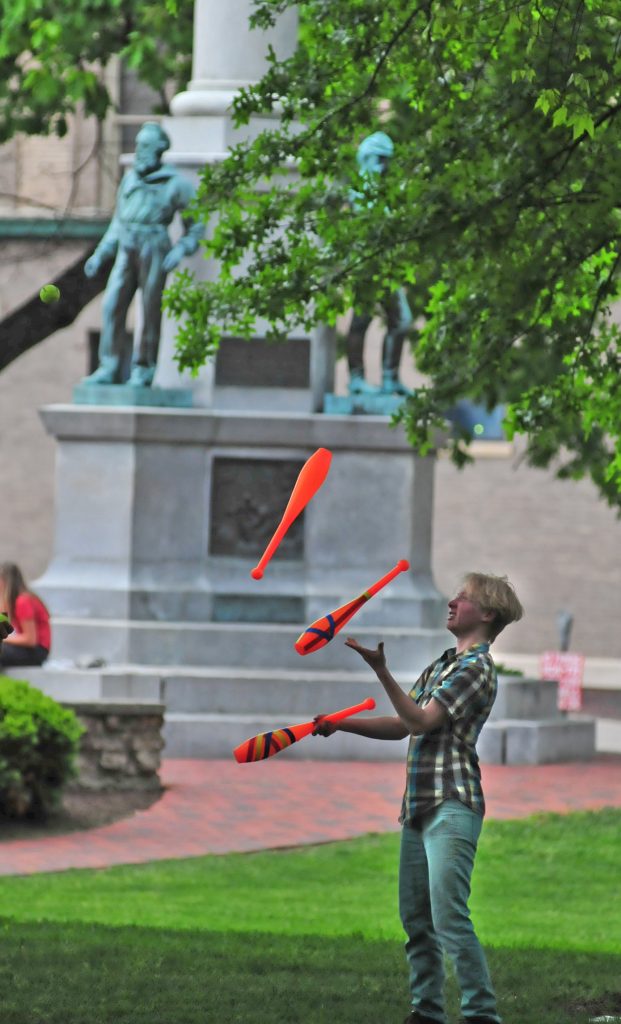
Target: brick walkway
223	807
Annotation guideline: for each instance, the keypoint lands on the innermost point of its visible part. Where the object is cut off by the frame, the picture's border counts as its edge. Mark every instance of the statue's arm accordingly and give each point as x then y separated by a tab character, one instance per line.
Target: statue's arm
106	250
193	230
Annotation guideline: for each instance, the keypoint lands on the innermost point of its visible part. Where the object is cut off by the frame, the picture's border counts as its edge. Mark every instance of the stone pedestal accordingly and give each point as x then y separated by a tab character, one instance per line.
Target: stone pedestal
161	515
162	512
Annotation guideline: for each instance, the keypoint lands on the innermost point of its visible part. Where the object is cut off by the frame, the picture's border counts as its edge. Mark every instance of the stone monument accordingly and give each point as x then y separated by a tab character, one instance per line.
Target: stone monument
161	513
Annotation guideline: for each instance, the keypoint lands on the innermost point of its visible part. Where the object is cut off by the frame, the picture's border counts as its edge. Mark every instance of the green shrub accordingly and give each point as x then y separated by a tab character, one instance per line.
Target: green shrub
503	670
38	744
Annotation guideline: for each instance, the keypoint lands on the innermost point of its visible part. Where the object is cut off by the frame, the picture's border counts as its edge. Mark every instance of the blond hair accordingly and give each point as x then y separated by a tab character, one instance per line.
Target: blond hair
494	594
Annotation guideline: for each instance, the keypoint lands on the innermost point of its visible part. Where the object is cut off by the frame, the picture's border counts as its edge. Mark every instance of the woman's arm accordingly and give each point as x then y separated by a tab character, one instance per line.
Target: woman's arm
28	635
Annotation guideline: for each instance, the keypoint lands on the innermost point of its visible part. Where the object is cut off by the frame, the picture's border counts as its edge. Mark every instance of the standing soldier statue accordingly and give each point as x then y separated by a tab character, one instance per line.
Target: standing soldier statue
149	196
373	156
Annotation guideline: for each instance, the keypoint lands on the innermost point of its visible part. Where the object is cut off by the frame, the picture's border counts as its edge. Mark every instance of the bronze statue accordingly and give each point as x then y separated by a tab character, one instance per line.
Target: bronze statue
373	156
149	196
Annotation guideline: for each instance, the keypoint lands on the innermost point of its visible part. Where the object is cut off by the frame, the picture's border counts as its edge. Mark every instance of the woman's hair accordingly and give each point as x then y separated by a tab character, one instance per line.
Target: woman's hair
15	584
494	594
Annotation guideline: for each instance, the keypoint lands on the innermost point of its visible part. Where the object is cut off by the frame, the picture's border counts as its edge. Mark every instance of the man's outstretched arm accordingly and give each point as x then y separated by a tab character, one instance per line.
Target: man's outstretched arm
377	728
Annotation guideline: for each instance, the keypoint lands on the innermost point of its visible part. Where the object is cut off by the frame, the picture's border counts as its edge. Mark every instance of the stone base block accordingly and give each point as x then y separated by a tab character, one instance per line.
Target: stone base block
519	697
121	748
491	744
549	741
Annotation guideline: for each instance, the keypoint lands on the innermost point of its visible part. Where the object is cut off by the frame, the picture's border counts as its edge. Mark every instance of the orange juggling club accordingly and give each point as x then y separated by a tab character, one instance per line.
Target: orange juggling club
266	744
310	478
322	630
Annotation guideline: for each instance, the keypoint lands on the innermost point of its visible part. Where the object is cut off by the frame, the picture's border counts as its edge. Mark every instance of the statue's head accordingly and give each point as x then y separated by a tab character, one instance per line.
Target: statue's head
374	152
151	142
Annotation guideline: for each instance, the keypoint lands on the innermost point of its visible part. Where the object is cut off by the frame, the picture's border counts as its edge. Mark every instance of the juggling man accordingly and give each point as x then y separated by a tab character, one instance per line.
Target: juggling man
443	804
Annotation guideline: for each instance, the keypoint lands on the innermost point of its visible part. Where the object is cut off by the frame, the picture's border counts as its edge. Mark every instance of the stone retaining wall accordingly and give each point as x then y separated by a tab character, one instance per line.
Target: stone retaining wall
121	747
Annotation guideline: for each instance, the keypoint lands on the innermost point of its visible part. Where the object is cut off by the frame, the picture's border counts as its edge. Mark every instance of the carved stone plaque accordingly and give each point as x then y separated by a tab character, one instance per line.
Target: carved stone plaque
249	497
260	364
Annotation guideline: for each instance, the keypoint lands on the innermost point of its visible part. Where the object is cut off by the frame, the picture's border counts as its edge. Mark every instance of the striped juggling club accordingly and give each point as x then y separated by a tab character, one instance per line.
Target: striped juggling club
266	744
321	632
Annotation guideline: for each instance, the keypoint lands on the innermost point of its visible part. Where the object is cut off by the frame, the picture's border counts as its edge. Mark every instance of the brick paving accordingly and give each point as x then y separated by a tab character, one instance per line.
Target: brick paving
222	807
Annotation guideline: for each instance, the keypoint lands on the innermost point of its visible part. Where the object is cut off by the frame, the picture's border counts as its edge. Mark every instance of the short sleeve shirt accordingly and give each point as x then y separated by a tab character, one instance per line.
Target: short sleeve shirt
28	607
443	764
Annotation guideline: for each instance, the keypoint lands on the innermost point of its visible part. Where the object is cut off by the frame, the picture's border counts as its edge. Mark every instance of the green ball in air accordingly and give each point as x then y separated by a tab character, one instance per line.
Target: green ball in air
49	293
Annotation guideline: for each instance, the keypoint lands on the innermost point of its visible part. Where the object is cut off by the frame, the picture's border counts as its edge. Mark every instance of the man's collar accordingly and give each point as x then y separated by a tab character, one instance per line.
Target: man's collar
161	173
481	648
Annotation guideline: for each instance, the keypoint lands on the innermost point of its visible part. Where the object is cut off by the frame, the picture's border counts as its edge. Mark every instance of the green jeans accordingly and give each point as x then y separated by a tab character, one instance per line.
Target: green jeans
437	857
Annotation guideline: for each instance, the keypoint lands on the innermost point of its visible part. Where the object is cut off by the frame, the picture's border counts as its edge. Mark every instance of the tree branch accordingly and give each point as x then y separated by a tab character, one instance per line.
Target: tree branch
34	321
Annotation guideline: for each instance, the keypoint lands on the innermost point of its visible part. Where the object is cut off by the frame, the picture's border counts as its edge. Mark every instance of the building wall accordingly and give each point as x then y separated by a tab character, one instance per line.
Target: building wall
44	375
48	176
558	543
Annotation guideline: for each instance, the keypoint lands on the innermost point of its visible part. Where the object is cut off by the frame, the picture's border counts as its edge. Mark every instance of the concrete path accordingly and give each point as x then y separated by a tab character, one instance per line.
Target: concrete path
223	807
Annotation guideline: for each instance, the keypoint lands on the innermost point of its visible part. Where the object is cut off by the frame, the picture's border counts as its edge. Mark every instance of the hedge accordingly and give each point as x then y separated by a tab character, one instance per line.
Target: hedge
38	743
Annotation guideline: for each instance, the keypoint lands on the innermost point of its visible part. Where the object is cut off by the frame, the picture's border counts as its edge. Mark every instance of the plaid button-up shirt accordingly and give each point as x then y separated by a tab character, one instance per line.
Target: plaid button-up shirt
443	764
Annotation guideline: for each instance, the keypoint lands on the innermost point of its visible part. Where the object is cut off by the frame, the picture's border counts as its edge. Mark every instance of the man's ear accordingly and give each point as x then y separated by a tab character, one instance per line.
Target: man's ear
491	618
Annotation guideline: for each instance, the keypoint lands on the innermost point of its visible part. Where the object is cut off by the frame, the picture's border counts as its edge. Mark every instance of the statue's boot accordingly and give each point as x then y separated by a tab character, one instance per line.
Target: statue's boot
391	385
359	386
141	376
106	373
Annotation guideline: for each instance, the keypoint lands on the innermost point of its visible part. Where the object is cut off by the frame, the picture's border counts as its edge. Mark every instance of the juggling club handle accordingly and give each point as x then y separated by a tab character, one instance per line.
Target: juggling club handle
337	716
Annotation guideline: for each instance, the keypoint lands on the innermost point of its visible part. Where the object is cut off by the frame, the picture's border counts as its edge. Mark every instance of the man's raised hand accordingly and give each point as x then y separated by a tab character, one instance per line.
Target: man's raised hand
375	658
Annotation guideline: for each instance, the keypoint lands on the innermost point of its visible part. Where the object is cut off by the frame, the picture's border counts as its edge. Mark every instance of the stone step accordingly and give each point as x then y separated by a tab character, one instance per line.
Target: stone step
255	645
216	736
217	689
211	709
265	692
71	685
517	741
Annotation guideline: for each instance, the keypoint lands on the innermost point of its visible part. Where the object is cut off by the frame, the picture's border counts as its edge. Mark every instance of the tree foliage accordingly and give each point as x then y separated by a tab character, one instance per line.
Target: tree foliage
500	209
52	55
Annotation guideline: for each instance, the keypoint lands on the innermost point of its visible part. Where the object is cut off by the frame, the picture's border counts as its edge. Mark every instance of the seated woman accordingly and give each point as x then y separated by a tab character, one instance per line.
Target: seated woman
29	643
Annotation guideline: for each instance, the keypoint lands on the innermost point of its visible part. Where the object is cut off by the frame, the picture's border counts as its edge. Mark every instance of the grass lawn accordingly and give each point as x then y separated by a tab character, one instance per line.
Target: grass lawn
311	935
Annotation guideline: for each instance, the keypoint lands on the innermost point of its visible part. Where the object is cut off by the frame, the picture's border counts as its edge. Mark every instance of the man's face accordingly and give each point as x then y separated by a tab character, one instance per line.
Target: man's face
465	615
147	156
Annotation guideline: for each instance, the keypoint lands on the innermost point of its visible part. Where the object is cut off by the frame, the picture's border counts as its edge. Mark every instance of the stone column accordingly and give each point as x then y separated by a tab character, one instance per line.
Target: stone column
228	55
